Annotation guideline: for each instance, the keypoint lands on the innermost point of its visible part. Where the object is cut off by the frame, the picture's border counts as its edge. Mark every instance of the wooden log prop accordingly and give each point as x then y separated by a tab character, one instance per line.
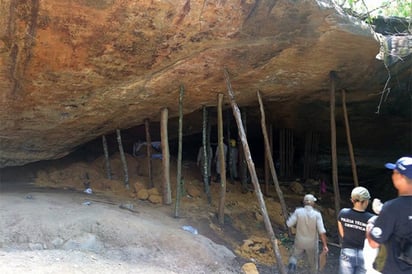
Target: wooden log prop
167	195
222	162
271	164
242	161
333	143
149	152
349	139
123	158
205	151
251	166
267	179
106	158
229	150
179	181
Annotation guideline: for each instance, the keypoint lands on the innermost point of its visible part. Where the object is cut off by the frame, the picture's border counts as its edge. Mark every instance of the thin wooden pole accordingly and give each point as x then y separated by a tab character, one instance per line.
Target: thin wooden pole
333	143
348	137
206	155
123	158
267	179
106	158
243	165
222	158
270	160
167	195
149	151
179	181
253	175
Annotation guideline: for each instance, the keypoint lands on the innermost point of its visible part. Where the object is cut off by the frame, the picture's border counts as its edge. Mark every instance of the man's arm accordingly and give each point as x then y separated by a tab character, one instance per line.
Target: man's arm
292	220
371	242
324	240
340	230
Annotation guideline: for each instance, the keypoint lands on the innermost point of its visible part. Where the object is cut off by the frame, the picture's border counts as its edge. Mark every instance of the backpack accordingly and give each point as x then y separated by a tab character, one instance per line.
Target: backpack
405	251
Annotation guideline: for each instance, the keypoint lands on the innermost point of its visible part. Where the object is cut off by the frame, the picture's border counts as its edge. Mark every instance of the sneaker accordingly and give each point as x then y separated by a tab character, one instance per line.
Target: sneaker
291	268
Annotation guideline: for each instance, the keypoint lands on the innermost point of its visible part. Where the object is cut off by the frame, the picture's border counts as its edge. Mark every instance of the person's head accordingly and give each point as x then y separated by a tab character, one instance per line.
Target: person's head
309	199
360	197
402	174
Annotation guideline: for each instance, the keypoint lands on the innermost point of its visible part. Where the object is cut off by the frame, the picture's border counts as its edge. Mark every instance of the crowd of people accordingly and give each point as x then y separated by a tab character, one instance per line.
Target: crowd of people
361	232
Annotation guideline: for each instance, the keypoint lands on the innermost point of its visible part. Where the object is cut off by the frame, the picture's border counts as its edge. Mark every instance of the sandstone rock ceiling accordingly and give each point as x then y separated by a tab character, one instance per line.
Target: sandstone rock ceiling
71	71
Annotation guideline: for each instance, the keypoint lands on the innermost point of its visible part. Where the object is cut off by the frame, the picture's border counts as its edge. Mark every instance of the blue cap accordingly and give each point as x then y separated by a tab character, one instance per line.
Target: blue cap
403	166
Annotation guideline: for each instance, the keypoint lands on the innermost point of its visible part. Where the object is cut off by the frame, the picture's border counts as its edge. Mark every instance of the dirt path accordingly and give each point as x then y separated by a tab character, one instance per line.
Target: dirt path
56	231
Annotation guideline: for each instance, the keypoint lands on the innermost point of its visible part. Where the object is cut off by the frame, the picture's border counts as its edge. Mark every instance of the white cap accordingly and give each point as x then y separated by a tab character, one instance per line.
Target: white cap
309	198
360	194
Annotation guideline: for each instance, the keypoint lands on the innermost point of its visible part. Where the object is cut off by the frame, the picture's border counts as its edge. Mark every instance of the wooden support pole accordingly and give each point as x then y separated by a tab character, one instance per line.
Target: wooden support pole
206	155
149	151
222	158
123	158
167	195
333	143
106	158
229	151
348	137
242	163
253	175
179	181
267	179
270	161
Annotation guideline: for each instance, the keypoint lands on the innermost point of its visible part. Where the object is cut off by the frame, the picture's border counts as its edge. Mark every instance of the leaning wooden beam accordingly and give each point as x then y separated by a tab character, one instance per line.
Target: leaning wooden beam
123	158
270	161
167	195
348	137
242	161
106	158
179	181
251	166
206	155
221	214
333	143
266	161
149	152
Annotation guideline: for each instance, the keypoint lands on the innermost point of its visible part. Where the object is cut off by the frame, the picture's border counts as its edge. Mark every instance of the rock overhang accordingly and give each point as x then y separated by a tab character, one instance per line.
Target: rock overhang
73	71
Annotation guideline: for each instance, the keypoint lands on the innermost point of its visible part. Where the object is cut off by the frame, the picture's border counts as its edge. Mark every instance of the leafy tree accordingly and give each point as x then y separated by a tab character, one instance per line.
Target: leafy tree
372	8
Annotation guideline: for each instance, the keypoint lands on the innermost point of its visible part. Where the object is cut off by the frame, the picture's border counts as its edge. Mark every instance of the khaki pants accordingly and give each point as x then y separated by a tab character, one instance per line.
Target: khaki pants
311	255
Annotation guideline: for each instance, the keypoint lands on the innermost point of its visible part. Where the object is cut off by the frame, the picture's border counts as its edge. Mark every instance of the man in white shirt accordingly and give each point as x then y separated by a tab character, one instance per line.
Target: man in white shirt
309	224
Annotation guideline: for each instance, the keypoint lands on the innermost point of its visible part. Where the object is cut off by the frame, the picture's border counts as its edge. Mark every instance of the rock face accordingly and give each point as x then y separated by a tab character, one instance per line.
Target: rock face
71	71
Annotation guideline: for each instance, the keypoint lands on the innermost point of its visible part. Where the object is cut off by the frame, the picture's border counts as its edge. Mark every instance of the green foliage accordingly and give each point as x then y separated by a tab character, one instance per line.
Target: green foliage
373	8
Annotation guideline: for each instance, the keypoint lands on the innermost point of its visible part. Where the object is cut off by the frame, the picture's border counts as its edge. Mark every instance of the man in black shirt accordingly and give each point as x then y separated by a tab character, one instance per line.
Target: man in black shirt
394	223
352	226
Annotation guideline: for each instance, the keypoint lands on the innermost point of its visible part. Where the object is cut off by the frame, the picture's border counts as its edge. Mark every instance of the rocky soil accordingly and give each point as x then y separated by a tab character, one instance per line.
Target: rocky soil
50	225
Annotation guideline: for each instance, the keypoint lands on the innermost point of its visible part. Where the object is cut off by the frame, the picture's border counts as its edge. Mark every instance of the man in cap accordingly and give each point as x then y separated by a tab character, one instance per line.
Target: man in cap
309	224
393	227
352	224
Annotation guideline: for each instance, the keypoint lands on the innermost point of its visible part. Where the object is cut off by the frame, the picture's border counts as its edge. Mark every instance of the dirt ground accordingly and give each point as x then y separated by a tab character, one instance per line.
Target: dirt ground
50	225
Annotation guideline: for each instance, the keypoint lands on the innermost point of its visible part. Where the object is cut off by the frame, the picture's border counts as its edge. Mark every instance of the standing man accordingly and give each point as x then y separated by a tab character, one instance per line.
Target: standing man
309	224
352	226
393	227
